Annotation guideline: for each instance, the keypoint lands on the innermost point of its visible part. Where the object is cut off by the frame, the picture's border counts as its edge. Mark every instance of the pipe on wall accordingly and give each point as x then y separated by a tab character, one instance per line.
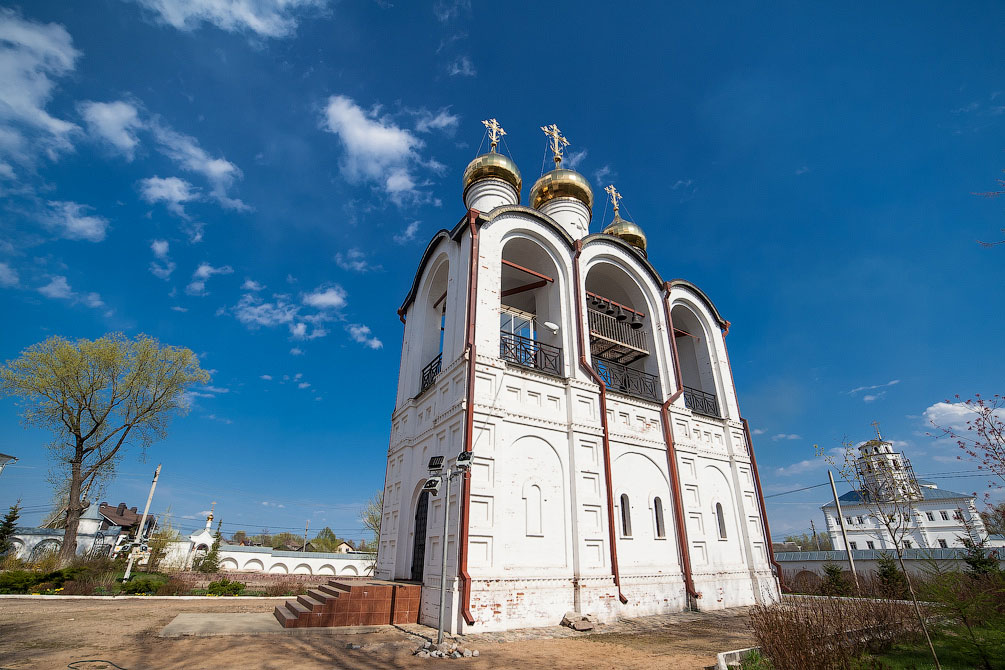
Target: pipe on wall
469	417
603	421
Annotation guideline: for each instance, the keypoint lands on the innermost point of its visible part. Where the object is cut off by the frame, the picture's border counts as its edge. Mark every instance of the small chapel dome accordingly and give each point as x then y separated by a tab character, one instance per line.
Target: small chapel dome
627	231
561	183
492	166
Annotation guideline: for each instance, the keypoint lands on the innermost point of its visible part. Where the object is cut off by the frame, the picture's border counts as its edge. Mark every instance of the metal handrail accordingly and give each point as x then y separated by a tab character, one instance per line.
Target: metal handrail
701	402
608	327
530	353
622	379
430	372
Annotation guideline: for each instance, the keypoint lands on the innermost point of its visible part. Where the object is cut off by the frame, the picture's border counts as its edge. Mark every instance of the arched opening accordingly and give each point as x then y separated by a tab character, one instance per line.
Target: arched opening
302	569
419	536
658	517
434	325
44	548
621	333
694	358
626	516
720	520
254	564
350	570
279	569
326	570
530	308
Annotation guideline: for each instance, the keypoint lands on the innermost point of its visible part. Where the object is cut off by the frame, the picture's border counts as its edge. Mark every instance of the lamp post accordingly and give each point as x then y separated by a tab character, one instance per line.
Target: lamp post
461	464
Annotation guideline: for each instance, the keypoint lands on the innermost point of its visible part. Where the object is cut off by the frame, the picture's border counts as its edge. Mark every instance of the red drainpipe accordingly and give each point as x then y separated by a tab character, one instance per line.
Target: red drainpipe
469	417
682	543
603	422
753	466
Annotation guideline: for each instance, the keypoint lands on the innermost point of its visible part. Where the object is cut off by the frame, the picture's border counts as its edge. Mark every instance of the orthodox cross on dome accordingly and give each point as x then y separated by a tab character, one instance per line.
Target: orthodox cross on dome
875	425
615	197
212	506
495	132
558	141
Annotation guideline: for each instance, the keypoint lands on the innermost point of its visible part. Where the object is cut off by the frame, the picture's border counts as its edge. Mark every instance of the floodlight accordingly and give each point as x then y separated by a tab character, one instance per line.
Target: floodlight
435	463
464	459
553	327
432	485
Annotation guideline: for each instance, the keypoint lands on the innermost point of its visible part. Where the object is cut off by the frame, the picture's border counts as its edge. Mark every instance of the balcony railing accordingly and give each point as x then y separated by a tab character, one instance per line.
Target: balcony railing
430	372
530	353
701	402
615	340
625	380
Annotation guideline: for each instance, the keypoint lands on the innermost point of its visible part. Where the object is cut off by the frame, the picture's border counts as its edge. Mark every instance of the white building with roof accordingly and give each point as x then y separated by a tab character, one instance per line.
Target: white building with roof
939	518
611	471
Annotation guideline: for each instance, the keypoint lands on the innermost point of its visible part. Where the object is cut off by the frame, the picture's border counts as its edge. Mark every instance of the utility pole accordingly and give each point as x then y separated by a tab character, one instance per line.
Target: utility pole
443	561
143	521
306	526
816	539
844	532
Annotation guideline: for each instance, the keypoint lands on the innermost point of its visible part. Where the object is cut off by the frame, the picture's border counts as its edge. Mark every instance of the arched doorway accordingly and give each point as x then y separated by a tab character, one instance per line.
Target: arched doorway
419	536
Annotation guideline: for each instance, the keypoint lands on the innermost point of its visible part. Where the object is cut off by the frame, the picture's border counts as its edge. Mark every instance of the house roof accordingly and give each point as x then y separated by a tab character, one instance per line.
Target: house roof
855	497
120	515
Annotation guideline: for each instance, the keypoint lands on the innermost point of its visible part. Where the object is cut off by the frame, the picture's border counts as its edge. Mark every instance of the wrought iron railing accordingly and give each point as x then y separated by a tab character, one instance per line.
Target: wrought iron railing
625	380
608	327
430	371
701	402
530	353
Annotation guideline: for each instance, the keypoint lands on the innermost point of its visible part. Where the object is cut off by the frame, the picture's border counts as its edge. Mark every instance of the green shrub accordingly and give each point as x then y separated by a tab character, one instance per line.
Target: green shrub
834	583
174	587
225	587
17	581
143	584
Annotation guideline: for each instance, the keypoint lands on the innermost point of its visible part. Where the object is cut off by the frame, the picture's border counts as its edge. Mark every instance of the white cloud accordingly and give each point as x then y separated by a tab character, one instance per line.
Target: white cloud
72	222
185	150
408	234
462	67
172	191
445	10
179	309
304	385
298	330
8	275
114	122
252	285
786	436
758	431
57	288
955	415
362	334
800	467
376	149
31	55
264	18
254	312
166	266
93	300
442	120
267	378
601	175
202	274
354	260
574	158
892	382
296	352
333	297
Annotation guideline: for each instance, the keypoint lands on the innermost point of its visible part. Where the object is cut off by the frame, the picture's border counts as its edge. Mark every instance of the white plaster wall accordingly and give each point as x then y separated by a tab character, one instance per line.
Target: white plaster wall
238	559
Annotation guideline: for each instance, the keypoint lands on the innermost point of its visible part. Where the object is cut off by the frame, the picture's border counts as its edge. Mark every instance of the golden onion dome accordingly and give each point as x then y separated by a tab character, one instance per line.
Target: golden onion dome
627	231
561	183
492	166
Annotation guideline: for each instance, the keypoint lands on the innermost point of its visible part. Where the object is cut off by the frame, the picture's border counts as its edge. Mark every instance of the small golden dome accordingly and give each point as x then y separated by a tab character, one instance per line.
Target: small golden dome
627	231
492	166
561	183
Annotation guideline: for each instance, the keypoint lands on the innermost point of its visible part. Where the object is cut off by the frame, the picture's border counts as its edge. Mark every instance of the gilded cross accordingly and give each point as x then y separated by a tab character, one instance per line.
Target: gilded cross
615	197
557	141
495	132
875	425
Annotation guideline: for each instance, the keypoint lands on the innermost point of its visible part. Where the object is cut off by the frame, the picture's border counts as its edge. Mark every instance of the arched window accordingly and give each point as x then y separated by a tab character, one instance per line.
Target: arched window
721	520
626	516
532	499
695	361
658	512
530	308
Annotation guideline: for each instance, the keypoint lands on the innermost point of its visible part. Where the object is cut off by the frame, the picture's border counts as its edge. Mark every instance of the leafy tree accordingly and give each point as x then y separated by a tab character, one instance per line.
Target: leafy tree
239	537
211	561
326	540
98	397
891	579
8	526
807	543
373	512
158	543
994	519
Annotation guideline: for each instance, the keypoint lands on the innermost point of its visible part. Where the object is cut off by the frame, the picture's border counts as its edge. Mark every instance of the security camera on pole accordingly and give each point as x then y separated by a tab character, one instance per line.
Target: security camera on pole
461	464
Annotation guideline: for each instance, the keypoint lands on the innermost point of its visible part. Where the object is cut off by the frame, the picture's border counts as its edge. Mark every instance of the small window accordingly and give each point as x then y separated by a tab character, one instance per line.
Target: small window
943	544
956	516
854	546
626	516
907	544
945	517
870	544
848	519
721	519
931	517
896	465
658	512
860	520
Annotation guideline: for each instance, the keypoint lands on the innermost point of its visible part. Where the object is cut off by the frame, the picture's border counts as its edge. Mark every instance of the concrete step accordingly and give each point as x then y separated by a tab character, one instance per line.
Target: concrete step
296	608
285	617
345	588
330	591
311	603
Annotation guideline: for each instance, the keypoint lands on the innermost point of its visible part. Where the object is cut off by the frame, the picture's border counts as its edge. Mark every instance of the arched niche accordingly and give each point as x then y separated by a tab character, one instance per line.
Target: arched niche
326	569
279	569
694	356
302	569
622	335
254	564
531	309
350	570
228	564
432	320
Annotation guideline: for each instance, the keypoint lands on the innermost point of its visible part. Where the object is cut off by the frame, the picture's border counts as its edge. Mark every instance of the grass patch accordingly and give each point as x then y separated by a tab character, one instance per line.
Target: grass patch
954	649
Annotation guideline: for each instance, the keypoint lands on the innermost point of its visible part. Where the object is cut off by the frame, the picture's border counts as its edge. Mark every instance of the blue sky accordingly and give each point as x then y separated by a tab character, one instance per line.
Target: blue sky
256	179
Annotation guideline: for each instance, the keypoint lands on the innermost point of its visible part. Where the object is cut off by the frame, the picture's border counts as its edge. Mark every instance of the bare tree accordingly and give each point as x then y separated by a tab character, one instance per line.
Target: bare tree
887	488
373	512
981	436
98	397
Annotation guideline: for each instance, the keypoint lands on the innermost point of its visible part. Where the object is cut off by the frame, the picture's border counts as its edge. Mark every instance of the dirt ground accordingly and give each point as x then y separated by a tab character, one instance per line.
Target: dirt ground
47	634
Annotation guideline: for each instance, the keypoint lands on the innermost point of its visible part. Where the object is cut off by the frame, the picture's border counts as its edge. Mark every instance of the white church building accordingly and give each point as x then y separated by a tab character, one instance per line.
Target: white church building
611	471
938	518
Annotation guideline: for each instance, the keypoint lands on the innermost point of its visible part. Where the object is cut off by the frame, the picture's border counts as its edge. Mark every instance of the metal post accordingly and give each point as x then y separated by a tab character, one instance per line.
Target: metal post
844	532
443	562
306	527
143	521
816	539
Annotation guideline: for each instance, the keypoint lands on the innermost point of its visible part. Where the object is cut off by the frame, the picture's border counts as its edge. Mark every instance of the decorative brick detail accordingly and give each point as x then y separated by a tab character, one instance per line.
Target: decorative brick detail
353	603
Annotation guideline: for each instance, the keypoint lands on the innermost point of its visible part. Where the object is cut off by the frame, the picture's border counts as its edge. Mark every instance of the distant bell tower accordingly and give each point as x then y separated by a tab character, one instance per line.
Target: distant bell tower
885	474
